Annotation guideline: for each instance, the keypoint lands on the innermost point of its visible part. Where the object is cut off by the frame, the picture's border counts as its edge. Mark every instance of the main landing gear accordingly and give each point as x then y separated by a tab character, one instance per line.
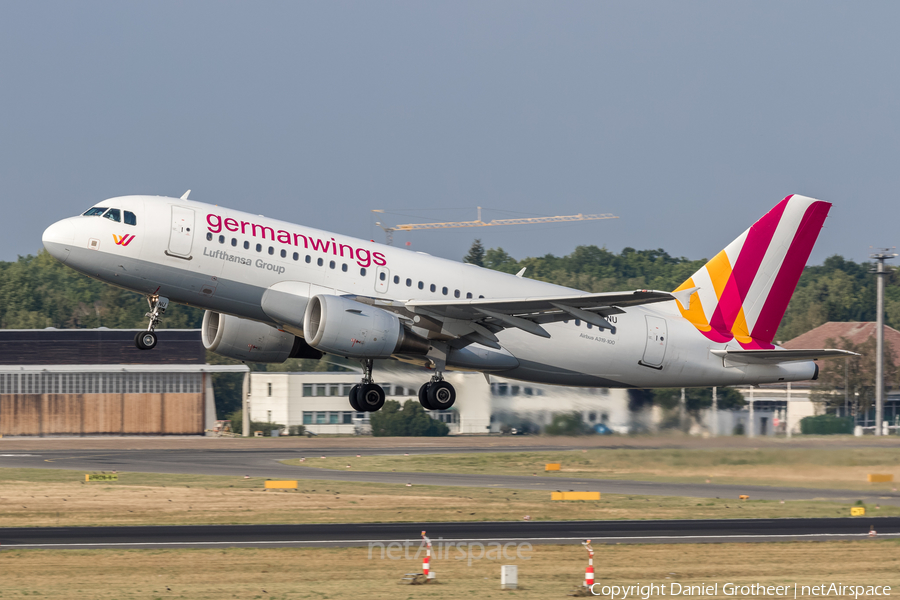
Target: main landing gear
146	340
367	396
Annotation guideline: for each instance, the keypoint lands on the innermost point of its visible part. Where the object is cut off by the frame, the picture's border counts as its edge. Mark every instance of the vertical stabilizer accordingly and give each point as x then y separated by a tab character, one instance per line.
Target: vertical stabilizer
743	292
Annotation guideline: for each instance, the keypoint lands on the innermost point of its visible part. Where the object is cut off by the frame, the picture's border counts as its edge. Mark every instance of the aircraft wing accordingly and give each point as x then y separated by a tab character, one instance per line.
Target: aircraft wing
478	320
779	356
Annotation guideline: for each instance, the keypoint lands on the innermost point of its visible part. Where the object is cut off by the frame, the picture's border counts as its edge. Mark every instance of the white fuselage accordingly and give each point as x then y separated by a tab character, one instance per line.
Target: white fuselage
225	260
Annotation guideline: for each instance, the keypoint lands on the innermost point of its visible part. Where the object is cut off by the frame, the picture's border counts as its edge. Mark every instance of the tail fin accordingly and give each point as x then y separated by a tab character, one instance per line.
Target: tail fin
743	292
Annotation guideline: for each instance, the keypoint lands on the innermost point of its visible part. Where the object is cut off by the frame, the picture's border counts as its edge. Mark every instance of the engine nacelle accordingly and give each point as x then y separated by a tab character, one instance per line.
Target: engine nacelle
251	340
347	328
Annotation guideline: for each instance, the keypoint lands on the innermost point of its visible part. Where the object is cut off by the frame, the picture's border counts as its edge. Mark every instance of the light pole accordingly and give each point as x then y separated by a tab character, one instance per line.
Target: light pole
880	256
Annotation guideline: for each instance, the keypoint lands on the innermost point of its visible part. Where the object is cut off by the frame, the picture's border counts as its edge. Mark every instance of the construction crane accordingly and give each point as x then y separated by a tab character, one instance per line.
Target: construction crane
389	231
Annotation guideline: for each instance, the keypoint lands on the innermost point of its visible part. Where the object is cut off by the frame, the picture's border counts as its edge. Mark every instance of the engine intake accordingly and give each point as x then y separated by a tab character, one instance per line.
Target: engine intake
251	340
345	327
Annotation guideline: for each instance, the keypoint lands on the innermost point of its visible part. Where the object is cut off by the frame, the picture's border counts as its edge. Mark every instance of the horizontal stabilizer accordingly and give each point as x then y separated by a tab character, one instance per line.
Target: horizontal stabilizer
762	357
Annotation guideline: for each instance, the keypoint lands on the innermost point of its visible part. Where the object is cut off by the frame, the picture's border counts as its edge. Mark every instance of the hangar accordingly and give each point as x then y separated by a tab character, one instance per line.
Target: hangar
75	382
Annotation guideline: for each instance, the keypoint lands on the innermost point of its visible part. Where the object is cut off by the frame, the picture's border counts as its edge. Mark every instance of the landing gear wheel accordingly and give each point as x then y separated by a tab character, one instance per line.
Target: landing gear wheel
353	402
441	395
423	396
370	397
145	340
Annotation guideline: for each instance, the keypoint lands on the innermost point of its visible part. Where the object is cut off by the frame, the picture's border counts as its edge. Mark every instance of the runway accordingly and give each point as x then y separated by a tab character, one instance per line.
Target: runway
264	463
400	534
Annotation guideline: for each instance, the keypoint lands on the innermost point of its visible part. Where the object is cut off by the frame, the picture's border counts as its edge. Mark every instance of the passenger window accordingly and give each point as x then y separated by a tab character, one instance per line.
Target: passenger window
208	237
320	262
296	256
234	242
95	212
577	322
130	219
331	264
421	285
344	267
589	326
308	259
221	239
362	272
246	245
444	291
259	247
114	214
433	288
396	279
271	250
409	283
456	293
283	253
481	296
468	294
382	276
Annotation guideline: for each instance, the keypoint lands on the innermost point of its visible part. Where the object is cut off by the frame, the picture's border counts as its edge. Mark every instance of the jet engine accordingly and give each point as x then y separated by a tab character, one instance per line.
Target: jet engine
345	327
251	340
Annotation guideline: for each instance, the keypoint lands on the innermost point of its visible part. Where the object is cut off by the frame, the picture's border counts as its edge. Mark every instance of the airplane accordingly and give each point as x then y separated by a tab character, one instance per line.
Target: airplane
274	290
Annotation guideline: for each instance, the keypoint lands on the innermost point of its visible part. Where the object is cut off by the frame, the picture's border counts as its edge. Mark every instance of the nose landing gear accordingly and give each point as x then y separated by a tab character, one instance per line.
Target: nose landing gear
146	340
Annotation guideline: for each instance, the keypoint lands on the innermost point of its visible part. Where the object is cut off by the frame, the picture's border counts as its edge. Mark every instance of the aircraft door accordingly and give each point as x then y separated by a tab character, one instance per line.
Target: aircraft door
655	349
382	279
181	237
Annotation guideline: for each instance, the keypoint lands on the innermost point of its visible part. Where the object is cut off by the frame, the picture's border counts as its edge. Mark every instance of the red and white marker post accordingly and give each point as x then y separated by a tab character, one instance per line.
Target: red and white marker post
426	562
589	572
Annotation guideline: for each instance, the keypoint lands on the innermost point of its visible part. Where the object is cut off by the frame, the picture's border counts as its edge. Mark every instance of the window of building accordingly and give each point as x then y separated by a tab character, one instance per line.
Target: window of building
268	416
348	418
320	389
307	418
130	219
321	418
334	418
334	389
269	388
307	390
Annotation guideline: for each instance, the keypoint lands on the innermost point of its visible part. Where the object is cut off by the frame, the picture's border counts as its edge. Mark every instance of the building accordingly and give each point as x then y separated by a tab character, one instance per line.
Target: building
76	382
319	402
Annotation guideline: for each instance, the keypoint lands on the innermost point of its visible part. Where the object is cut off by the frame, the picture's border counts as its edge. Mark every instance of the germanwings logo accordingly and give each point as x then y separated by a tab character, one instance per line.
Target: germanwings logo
122	240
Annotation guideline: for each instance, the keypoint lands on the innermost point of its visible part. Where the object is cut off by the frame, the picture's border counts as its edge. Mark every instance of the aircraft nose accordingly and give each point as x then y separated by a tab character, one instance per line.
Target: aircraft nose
58	239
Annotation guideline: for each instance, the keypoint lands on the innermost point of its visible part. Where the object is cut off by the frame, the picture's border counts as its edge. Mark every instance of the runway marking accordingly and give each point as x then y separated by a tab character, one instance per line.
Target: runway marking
456	540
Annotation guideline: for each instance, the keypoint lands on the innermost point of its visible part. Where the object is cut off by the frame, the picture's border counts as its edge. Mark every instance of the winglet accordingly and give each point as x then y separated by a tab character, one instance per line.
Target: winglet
684	296
522	272
186	194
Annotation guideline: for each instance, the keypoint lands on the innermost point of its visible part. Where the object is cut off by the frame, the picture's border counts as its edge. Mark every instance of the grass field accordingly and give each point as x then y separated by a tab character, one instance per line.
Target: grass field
549	572
45	497
844	468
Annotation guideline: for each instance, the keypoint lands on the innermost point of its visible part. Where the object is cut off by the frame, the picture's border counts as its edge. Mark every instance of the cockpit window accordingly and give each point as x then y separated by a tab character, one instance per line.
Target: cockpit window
95	212
113	214
130	219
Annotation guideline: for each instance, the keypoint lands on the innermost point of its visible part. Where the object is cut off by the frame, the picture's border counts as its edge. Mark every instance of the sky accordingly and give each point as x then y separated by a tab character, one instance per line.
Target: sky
687	120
